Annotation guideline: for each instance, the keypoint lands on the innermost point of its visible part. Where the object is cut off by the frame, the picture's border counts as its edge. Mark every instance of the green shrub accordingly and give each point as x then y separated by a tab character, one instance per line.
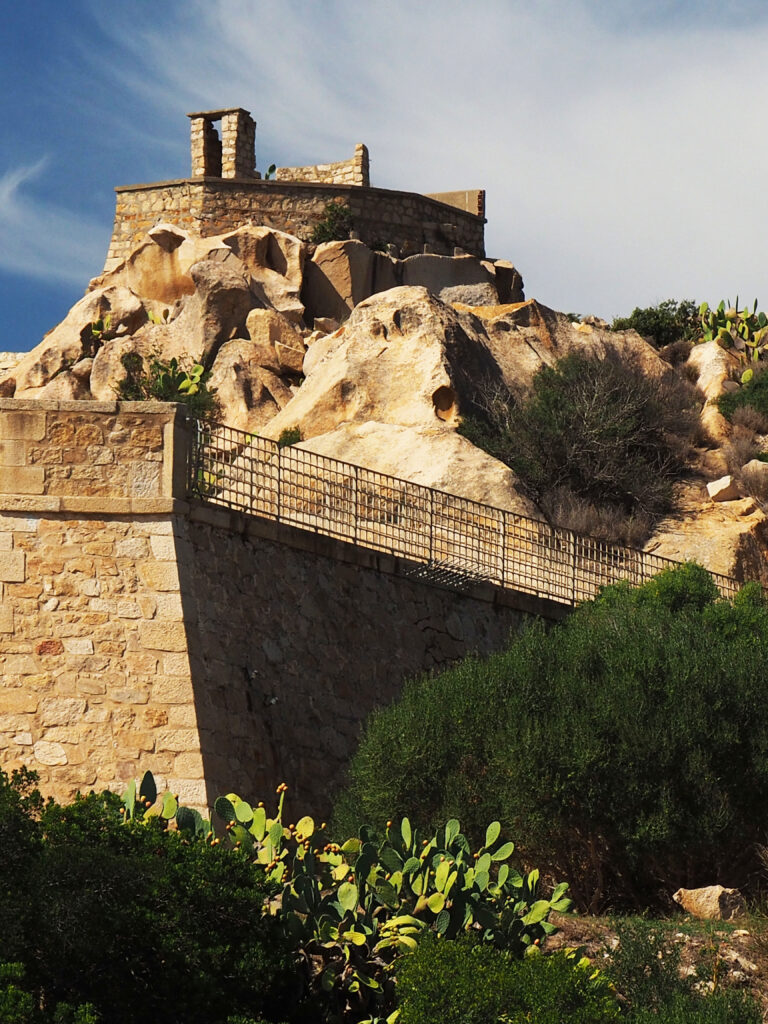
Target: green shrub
664	324
167	382
752	395
137	921
461	982
16	1005
625	749
597	444
727	1007
20	804
645	966
335	224
289	436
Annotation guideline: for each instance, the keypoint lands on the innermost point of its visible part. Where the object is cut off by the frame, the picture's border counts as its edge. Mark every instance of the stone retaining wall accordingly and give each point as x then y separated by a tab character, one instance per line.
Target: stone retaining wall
211	206
139	630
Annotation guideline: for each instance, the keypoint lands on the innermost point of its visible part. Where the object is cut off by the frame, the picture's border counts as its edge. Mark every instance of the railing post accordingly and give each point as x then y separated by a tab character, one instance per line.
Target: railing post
431	523
503	548
279	478
354	504
573	568
192	455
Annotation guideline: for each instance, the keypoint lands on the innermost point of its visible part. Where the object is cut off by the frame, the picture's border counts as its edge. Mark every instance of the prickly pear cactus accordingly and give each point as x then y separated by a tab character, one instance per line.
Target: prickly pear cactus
744	331
351	909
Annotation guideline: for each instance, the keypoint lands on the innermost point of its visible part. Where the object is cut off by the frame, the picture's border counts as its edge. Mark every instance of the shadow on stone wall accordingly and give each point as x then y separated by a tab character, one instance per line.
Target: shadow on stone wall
291	649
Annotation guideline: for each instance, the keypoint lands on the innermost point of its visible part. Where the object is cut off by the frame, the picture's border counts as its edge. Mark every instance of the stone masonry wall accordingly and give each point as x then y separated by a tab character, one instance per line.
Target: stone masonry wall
96	686
94	675
343	172
136	211
291	648
211	206
140	630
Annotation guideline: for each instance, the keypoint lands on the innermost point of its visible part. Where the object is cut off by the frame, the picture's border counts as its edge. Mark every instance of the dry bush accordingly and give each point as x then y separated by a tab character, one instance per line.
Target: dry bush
755	482
740	448
689	372
751	418
596	444
606	523
677	353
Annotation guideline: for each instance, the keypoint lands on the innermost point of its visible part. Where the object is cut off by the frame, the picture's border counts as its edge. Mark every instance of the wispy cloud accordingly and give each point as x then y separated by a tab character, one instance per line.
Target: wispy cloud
619	140
42	240
619	144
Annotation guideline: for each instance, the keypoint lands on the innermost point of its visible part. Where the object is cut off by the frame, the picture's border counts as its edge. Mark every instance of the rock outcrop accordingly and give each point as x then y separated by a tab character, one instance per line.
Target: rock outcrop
402	357
375	360
713	367
343	274
525	336
434	456
250	393
73	339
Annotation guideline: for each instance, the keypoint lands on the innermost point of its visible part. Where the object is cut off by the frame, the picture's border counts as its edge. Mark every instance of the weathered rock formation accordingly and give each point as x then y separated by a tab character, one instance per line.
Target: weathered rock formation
434	456
375	360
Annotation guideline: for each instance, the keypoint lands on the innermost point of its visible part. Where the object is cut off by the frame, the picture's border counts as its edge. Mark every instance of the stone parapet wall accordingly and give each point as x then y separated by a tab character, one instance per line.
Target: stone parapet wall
140	630
74	455
472	200
343	172
137	210
212	206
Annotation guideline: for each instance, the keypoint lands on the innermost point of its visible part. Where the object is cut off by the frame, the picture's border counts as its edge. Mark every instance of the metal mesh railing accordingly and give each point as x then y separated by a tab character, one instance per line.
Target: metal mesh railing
448	539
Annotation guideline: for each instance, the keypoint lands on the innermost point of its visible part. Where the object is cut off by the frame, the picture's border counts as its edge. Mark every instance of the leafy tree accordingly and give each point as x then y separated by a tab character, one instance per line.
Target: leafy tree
664	324
136	921
625	749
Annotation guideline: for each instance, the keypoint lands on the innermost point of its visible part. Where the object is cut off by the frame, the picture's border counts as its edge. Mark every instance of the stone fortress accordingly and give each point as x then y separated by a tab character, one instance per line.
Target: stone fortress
140	630
147	621
226	191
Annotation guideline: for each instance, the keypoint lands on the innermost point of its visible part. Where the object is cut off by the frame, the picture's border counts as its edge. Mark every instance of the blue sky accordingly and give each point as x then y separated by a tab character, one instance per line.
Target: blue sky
622	145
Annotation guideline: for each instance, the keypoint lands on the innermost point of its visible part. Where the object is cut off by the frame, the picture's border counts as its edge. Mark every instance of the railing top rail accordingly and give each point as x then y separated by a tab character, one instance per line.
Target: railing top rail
212	437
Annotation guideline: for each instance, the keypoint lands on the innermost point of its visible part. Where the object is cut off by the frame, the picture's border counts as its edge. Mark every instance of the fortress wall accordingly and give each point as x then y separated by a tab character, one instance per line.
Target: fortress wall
472	199
142	631
94	673
96	686
211	206
291	648
137	211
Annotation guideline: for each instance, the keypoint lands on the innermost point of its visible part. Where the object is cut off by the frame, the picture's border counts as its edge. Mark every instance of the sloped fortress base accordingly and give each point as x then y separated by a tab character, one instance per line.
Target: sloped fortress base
140	630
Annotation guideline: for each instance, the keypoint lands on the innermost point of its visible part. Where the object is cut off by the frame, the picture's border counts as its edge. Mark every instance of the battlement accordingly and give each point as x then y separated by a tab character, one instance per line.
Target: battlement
226	191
